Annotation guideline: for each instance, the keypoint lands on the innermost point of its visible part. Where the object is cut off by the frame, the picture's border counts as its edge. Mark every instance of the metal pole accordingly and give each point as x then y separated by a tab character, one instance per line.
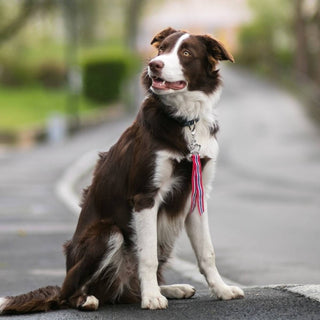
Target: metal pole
70	10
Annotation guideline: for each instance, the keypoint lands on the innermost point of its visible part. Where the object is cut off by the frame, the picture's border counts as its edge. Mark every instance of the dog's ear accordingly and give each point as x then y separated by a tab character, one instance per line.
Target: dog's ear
159	37
216	50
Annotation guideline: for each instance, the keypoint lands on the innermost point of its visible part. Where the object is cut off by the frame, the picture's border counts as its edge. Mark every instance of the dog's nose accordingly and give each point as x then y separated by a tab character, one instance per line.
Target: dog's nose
156	65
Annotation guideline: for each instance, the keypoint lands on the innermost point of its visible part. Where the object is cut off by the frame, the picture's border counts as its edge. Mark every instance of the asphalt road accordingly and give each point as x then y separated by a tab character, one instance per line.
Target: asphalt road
34	223
265	207
265	204
259	304
264	216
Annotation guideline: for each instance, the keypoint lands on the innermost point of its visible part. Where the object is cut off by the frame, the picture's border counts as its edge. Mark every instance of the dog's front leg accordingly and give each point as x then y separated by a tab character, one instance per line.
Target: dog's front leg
197	228
146	231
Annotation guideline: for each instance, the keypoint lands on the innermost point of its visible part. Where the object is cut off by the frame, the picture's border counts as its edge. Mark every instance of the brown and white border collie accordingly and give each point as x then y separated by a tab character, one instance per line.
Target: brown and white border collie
140	196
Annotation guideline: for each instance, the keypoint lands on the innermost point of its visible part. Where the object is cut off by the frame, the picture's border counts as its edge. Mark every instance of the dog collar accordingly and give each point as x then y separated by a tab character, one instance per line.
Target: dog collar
183	122
186	123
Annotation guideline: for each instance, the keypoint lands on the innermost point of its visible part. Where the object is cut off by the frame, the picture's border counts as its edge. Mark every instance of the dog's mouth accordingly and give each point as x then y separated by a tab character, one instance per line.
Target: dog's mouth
160	84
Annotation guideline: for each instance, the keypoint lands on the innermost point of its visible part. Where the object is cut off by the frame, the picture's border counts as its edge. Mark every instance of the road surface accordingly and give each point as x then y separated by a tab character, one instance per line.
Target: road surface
264	208
265	205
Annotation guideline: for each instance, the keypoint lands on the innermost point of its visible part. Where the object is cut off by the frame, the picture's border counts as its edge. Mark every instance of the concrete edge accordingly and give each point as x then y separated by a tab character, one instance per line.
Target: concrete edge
64	188
66	193
311	291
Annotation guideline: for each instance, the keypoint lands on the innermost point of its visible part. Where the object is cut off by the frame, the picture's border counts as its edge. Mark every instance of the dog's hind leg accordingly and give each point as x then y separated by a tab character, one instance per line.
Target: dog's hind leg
88	303
178	291
93	253
74	290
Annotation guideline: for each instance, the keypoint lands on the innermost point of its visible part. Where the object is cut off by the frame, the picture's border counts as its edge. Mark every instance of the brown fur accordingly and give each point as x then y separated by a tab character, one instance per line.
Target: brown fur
42	299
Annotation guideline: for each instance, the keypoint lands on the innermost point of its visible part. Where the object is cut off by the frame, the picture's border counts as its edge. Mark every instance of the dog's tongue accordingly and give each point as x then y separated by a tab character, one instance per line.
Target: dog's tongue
164	85
177	85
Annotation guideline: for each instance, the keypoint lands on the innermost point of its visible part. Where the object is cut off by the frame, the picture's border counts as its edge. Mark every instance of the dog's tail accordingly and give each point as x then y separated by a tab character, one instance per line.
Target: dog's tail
43	299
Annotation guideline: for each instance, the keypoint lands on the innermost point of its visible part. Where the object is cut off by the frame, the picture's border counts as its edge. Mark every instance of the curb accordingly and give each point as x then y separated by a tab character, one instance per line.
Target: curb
65	191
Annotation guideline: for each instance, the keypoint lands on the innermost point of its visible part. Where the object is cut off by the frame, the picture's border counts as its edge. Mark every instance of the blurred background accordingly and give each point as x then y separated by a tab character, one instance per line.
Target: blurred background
69	84
63	63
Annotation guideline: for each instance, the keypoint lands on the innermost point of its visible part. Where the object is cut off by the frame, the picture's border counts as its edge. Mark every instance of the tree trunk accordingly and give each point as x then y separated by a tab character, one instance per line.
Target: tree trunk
317	60
134	9
301	49
27	9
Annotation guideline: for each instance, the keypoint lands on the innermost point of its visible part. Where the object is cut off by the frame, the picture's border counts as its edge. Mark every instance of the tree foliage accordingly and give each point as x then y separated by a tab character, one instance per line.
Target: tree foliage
284	36
26	9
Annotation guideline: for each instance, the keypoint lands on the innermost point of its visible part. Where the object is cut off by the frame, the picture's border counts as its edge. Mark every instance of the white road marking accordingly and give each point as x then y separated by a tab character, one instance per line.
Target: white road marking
311	291
64	188
48	272
23	229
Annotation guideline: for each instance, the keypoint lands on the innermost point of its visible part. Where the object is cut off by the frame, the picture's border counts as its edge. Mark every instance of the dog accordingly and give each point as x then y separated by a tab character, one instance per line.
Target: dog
154	181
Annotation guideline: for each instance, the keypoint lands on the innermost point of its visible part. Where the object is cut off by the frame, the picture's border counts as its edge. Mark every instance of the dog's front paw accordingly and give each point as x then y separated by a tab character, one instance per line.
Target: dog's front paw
154	302
178	291
228	292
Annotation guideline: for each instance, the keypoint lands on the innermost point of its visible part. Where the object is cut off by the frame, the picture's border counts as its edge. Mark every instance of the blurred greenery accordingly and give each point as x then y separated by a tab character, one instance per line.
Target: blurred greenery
267	43
283	39
44	45
283	42
104	72
32	105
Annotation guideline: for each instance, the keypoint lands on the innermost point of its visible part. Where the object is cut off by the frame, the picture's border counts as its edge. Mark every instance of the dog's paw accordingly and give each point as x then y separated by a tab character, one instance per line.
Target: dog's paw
154	302
228	292
178	291
90	304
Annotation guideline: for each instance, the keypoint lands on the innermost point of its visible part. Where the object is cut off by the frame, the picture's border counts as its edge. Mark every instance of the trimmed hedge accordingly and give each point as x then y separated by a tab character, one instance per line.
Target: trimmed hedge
103	76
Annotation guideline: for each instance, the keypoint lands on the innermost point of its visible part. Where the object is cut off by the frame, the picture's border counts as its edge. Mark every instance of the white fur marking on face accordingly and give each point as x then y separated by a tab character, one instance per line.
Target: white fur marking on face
179	42
172	70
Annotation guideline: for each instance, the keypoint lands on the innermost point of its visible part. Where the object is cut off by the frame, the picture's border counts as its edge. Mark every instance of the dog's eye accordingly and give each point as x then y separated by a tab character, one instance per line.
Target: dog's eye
186	53
160	50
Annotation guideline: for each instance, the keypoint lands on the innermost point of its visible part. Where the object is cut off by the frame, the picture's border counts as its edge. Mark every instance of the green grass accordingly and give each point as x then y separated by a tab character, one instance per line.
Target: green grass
24	107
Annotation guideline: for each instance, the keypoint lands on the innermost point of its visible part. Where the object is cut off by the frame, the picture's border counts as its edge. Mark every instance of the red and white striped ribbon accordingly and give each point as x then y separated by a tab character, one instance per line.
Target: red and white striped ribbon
197	195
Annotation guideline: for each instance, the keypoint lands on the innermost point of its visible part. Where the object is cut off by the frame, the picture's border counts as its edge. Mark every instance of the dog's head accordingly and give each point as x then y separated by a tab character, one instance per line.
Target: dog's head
185	62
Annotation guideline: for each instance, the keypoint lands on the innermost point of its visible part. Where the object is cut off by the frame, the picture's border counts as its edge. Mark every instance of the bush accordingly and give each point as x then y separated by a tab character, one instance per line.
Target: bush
266	42
15	74
52	74
102	79
103	75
